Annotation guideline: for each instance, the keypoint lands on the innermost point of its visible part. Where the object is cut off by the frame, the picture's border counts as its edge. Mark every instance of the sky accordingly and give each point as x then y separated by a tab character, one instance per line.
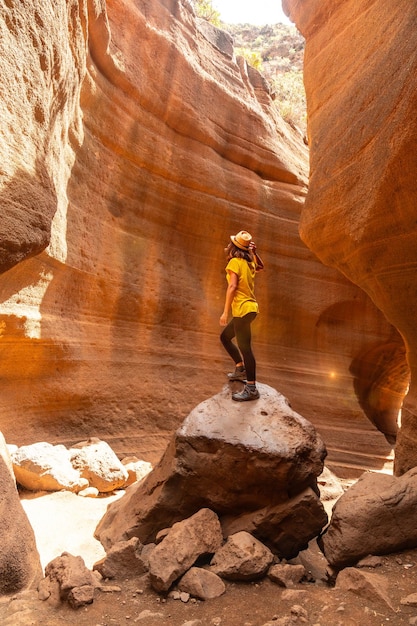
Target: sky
256	12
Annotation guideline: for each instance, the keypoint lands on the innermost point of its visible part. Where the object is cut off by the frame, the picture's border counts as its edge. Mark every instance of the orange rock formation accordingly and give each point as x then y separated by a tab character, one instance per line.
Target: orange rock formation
133	143
360	212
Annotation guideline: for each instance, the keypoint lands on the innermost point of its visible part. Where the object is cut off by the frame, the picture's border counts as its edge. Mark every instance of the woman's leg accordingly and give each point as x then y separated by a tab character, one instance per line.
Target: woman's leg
226	337
242	329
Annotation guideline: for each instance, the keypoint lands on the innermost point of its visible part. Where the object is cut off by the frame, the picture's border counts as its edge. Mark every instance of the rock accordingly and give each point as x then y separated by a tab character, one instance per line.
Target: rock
136	469
184	596
80	596
242	558
109	588
20	564
286	575
221	39
145	553
410	600
89	492
313	561
161	534
329	485
69	572
376	502
298	615
365	584
44	467
6	451
299	612
147	614
49	590
97	462
201	583
122	560
187	540
228	460
370	561
294	595
285	528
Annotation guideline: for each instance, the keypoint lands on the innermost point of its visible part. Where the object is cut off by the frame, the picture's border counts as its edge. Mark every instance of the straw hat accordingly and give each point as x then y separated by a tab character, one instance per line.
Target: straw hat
242	239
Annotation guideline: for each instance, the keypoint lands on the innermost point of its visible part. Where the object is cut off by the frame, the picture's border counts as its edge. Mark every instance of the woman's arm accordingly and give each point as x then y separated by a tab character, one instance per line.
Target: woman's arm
258	261
230	294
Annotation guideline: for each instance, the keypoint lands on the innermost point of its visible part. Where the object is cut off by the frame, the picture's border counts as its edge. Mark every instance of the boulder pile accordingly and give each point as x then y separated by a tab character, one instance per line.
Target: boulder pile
188	560
255	466
87	468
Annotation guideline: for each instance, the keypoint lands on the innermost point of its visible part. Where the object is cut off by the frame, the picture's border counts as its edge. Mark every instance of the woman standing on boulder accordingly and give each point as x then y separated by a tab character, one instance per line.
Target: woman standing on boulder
243	263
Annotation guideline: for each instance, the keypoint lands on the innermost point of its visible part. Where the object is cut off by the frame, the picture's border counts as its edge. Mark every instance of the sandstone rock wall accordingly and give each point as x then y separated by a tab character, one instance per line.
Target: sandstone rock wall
133	144
360	212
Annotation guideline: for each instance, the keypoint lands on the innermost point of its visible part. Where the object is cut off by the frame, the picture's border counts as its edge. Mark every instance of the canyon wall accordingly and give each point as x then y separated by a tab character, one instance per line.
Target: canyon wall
133	144
360	215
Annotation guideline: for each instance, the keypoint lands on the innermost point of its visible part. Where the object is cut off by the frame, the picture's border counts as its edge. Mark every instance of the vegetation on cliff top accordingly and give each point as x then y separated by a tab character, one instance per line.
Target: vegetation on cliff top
279	52
276	50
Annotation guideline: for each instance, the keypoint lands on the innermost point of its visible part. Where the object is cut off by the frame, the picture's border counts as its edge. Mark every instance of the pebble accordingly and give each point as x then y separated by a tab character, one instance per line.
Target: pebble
109	588
147	614
410	600
370	561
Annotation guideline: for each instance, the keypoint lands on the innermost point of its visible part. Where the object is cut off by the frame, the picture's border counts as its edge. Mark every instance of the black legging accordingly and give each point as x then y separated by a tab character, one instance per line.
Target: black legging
239	327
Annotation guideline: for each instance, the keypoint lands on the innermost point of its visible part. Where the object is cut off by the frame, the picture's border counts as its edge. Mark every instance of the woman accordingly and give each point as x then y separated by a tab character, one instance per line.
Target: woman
243	263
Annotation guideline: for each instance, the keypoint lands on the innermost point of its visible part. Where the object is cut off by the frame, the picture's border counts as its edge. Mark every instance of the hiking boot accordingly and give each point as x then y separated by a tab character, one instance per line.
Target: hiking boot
238	374
248	393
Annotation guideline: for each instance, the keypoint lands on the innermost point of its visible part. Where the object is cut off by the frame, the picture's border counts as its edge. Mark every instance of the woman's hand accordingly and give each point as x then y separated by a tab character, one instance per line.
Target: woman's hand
223	319
258	260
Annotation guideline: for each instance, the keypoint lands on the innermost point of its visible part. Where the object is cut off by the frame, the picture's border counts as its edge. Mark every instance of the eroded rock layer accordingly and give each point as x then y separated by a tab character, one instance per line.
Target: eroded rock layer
133	144
360	213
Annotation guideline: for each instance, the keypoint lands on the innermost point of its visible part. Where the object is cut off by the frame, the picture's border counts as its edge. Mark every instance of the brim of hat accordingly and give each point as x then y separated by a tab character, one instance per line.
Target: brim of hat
237	244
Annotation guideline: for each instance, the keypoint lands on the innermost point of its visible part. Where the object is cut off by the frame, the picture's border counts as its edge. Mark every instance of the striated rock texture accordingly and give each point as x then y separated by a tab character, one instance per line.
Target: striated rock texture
133	143
360	212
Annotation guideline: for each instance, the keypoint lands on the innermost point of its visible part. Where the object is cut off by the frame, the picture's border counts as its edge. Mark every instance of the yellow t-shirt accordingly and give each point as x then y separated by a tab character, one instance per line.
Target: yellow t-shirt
244	301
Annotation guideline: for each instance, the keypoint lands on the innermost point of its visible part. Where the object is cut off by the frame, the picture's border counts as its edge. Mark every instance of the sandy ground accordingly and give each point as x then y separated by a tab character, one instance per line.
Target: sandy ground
65	522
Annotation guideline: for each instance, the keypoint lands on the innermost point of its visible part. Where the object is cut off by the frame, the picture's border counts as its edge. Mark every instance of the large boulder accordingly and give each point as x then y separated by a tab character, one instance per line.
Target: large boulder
377	515
229	457
20	564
